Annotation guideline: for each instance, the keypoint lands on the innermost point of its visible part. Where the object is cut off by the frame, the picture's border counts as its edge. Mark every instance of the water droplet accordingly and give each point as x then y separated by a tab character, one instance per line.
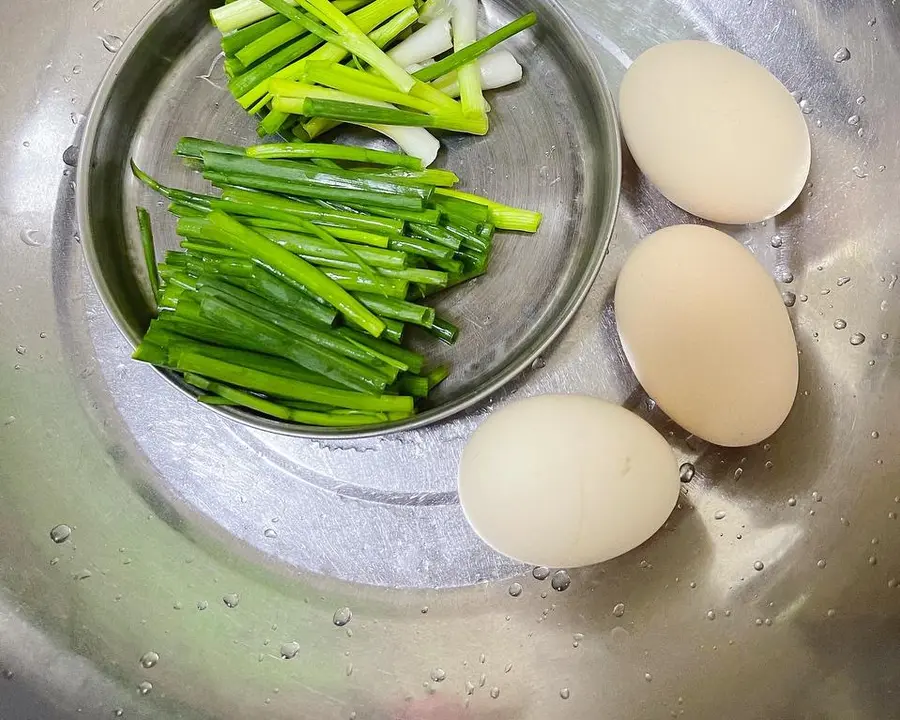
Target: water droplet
758	565
76	70
564	693
768	622
875	435
831	612
686	472
560	580
884	336
857	338
861	100
112	43
842	55
60	533
843	280
342	616
538	363
515	589
805	107
853	120
648	677
787	277
482	658
892	583
270	533
349	670
873	560
424	610
202	605
777	241
769	465
540	572
508	668
859	172
8	674
21	349
840	324
149	659
817	496
289	650
70	156
495	692
231	600
892	515
797	95
821	564
118	712
470	687
789	299
738	473
145	687
720	515
792	501
711	615
33	238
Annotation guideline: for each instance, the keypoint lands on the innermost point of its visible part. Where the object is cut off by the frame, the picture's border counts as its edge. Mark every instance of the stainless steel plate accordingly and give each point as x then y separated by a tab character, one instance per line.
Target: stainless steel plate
553	147
169	504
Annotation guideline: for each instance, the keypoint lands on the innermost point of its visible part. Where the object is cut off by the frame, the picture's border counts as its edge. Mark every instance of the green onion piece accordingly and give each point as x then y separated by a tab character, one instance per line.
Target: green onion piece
317	214
412	360
361	83
344	33
421	276
444	330
349	153
355	281
358	112
367	19
289	389
414	385
401	310
425	249
478	48
437	376
149	252
503	217
255	245
233	41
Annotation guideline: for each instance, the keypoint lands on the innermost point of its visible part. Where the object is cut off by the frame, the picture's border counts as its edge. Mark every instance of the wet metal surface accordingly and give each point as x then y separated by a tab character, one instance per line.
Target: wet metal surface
773	591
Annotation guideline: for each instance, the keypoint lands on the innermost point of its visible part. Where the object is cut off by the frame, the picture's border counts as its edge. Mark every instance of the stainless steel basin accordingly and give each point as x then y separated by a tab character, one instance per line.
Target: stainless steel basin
173	509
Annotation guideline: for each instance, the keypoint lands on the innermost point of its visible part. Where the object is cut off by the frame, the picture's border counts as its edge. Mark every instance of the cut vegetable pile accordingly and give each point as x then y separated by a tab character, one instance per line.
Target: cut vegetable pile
305	66
295	285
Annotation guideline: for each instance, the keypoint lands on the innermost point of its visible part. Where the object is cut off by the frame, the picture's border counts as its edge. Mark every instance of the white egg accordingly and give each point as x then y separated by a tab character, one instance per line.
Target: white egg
715	131
566	480
707	334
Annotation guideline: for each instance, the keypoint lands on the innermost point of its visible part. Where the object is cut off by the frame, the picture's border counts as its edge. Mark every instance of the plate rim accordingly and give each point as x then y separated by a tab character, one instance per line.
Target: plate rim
596	78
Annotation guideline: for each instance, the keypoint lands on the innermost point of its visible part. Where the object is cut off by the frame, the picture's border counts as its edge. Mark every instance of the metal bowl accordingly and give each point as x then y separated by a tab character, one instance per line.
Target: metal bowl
553	147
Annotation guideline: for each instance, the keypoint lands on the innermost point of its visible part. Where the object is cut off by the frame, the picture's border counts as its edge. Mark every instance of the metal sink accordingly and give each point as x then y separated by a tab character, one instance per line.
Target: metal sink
772	592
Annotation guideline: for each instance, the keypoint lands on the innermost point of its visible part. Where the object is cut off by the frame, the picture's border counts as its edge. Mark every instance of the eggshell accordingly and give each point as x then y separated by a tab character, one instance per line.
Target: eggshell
566	480
715	131
707	334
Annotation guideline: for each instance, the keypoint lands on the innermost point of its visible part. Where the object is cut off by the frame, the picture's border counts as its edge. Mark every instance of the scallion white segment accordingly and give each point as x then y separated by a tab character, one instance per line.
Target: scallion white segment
465	32
424	44
497	69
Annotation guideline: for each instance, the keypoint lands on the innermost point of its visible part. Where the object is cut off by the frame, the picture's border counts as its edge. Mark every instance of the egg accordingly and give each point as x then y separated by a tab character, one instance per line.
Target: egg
707	334
715	131
566	480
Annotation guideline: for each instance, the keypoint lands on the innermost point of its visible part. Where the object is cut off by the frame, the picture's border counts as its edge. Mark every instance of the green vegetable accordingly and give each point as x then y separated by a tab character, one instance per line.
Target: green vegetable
149	252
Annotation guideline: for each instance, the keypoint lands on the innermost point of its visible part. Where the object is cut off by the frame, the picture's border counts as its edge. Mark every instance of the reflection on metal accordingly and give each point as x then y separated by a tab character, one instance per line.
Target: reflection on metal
110	450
